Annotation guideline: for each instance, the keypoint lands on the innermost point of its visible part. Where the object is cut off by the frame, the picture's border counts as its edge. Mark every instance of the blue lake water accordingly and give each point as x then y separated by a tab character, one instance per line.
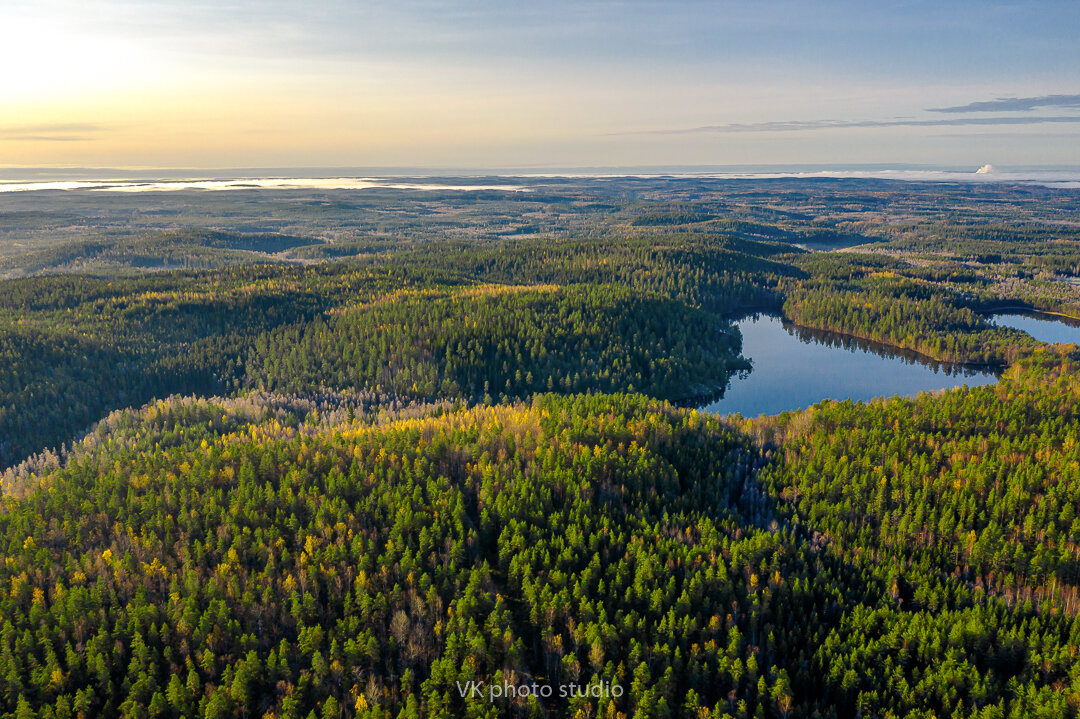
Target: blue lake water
795	367
1043	327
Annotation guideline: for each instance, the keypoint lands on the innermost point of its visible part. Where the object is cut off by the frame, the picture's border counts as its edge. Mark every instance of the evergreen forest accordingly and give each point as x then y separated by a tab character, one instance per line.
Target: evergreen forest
389	454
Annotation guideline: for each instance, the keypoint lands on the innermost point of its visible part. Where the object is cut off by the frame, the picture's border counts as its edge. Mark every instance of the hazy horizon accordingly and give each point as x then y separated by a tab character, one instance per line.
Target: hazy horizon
330	178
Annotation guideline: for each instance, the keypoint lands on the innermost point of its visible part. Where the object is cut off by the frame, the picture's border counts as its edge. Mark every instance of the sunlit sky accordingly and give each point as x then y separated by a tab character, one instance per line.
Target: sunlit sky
514	84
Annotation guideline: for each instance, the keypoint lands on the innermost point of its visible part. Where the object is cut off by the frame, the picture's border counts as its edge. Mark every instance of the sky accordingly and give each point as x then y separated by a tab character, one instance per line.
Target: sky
557	83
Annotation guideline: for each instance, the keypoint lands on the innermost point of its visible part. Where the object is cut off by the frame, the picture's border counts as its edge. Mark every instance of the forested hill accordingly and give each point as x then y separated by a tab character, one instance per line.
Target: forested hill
221	559
260	556
453	322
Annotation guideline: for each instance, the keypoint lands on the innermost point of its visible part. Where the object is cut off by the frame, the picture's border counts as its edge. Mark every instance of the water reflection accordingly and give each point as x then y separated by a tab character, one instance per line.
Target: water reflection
795	367
847	342
1042	326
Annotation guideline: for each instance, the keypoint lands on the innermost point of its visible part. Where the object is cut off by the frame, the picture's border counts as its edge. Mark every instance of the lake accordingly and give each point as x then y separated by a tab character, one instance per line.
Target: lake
794	367
1041	326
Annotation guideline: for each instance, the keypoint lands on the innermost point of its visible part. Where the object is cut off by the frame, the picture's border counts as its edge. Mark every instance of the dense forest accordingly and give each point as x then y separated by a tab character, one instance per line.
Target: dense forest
982	484
400	454
423	332
503	341
240	560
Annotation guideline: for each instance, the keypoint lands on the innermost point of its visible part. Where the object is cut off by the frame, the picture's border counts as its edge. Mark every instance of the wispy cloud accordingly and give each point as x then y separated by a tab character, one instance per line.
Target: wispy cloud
46	138
52	132
1014	104
803	125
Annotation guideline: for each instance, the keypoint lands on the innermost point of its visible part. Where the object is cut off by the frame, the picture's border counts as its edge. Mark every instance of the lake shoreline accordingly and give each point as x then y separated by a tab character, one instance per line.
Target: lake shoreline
1031	310
877	343
1046	327
795	367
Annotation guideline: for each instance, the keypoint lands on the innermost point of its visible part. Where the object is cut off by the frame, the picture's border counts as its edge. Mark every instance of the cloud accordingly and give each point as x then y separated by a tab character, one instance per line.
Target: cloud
803	125
1014	104
52	132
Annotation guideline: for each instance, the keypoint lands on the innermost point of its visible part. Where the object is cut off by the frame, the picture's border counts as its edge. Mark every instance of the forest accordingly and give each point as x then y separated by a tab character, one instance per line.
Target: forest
348	454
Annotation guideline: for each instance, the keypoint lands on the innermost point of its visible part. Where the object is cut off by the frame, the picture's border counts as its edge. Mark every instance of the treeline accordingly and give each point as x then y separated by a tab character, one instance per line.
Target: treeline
926	322
886	300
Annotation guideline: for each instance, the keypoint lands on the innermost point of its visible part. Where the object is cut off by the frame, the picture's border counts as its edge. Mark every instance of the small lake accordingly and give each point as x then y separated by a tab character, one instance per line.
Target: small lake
794	367
1043	327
